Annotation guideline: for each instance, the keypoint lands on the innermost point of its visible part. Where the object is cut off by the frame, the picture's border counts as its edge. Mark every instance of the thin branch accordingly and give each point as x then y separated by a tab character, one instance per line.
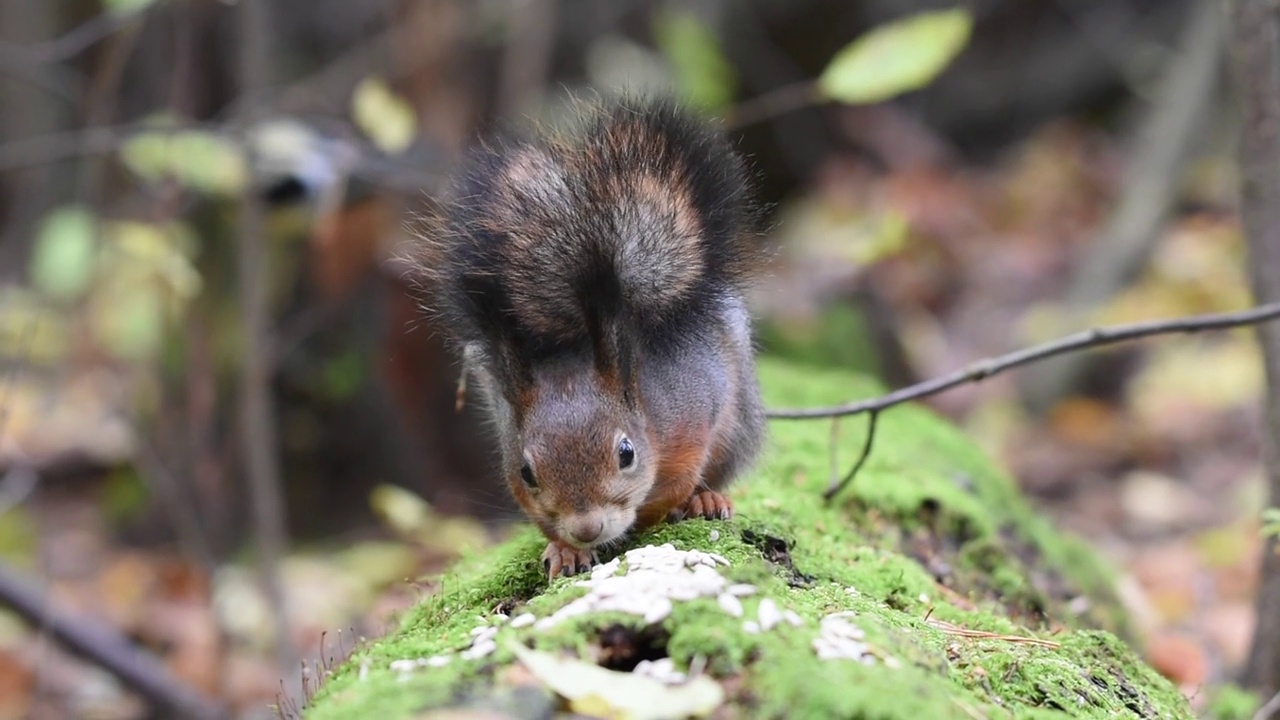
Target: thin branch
78	39
835	487
107	648
773	103
1255	64
951	629
530	43
257	419
367	164
1097	337
54	147
1266	711
833	453
58	80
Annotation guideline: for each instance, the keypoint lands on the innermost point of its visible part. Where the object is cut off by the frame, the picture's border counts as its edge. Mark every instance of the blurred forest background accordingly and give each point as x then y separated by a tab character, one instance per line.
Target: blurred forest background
220	409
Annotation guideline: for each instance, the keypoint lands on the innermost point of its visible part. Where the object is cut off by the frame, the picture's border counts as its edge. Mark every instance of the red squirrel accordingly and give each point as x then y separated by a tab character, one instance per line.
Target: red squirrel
594	284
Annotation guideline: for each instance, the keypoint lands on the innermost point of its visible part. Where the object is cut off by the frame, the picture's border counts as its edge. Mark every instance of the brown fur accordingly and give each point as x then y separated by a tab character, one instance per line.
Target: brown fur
596	280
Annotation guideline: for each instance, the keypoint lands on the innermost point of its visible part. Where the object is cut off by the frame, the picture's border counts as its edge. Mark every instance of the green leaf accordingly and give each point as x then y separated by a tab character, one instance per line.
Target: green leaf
898	57
128	319
63	258
701	70
127	7
198	159
599	692
147	154
386	118
343	375
1271	522
208	162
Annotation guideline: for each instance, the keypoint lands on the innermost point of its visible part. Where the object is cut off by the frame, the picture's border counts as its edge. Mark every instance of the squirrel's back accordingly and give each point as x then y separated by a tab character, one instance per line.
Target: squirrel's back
634	227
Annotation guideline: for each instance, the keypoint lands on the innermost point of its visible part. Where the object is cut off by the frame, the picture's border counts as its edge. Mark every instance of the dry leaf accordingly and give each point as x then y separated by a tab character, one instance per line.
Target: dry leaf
597	692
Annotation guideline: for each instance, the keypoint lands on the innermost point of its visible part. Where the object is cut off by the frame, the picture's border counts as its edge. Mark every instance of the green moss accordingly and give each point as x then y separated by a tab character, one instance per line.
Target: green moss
1231	702
837	338
931	531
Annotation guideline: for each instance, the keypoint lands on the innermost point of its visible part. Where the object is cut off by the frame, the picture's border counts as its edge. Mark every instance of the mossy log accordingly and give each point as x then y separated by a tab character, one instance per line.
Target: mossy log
964	602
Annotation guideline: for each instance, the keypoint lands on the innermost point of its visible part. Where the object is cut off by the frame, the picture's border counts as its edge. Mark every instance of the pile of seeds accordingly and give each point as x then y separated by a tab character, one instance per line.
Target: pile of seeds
840	639
656	577
769	616
662	670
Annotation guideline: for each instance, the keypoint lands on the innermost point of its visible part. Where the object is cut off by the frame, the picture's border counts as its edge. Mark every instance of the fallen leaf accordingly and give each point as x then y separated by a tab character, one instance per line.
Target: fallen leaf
409	515
1178	657
597	692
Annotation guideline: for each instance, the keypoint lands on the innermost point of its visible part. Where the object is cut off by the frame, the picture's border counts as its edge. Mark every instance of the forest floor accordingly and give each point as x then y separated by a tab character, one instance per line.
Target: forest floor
1158	469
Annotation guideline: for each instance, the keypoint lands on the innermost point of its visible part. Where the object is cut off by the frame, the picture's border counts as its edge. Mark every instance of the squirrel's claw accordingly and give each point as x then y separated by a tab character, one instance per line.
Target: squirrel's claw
707	504
561	558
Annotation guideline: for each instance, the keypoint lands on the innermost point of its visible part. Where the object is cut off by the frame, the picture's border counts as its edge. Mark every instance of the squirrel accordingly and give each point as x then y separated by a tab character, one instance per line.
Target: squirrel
594	283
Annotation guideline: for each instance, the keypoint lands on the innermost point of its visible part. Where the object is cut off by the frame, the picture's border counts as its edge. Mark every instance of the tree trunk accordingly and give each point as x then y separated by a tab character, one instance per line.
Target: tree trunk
1256	61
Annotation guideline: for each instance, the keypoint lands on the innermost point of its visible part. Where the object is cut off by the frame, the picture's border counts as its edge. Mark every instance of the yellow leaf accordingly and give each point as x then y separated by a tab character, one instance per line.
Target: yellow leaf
411	516
386	118
29	330
403	511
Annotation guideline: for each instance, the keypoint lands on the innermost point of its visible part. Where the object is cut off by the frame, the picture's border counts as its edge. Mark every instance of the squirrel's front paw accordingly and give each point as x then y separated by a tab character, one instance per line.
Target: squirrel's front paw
561	558
707	504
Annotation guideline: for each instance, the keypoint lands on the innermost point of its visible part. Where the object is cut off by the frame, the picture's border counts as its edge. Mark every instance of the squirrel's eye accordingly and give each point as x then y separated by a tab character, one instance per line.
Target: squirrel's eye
626	454
526	474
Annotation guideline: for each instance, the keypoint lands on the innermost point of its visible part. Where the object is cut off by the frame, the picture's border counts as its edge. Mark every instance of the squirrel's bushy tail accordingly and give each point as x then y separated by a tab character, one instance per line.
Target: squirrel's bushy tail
636	224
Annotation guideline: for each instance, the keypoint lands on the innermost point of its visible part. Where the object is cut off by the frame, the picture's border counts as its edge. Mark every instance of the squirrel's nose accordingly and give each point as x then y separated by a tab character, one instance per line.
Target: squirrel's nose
585	529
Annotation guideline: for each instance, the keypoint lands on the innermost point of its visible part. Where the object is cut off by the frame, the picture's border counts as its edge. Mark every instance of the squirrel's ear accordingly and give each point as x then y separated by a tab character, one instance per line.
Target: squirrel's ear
515	377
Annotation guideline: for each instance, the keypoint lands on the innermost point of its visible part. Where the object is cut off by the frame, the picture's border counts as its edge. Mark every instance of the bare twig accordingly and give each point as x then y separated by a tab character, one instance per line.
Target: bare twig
78	39
58	80
182	510
773	103
107	648
528	53
394	173
53	147
958	631
1097	337
833	453
257	420
837	485
1268	709
1256	65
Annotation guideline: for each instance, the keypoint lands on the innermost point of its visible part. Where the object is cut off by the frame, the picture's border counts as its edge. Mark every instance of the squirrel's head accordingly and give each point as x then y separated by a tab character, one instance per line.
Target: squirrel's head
583	464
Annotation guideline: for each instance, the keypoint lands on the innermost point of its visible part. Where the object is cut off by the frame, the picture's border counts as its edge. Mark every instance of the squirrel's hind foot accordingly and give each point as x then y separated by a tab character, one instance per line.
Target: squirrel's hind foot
707	504
561	558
